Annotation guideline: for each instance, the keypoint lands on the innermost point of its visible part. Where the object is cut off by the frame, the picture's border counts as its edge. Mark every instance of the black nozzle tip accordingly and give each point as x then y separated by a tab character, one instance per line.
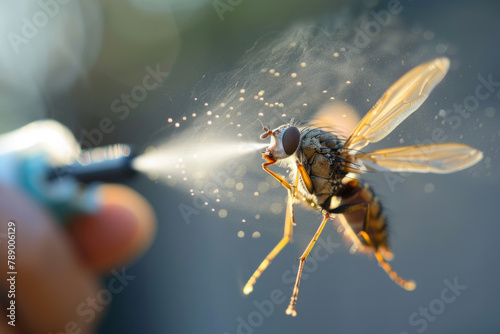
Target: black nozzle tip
102	164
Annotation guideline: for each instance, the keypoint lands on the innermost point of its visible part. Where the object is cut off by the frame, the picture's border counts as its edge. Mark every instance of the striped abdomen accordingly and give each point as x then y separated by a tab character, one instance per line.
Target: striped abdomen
354	222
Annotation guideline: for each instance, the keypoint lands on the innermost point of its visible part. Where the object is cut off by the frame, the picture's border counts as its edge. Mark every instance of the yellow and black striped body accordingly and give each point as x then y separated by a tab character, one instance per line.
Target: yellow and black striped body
371	219
321	154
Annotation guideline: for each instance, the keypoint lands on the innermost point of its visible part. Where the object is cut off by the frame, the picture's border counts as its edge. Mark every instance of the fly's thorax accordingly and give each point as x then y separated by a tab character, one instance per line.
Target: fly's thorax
319	154
316	140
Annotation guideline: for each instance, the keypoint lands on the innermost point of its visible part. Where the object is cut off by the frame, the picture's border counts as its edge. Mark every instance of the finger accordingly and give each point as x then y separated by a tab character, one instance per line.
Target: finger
51	283
120	231
6	329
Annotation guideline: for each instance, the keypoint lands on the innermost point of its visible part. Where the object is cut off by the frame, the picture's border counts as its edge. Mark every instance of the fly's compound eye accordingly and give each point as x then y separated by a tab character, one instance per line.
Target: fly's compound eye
290	140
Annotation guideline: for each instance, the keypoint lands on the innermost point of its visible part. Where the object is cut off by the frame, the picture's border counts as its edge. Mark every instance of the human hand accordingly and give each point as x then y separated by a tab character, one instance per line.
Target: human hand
58	268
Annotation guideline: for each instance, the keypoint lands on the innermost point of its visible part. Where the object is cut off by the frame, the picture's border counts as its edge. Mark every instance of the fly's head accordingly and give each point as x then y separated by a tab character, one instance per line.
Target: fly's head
284	141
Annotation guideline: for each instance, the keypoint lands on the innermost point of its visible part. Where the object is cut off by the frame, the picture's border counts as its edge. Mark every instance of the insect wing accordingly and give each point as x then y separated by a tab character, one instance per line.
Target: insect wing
398	102
434	158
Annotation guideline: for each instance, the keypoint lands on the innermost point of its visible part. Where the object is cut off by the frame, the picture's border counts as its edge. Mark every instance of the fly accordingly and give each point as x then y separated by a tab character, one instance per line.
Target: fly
325	169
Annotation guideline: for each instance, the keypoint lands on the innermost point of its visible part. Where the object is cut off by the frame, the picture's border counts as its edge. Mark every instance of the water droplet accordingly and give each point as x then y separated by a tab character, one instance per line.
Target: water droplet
241	234
263	187
429	187
276	208
489	112
222	213
441	48
256	235
428	35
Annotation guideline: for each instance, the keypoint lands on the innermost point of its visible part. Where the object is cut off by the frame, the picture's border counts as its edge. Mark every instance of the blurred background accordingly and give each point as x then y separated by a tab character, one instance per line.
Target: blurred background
178	72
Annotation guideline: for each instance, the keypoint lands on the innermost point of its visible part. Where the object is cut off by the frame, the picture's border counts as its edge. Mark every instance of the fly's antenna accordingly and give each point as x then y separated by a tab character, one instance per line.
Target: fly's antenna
263	126
266	128
267	131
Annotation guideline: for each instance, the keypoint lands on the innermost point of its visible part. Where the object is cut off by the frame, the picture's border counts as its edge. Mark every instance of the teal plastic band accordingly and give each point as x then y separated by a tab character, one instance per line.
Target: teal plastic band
63	196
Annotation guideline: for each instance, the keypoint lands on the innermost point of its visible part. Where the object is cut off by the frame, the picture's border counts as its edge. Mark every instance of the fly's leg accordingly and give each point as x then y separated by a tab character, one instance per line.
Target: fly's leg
288	231
407	285
293	301
306	178
271	161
